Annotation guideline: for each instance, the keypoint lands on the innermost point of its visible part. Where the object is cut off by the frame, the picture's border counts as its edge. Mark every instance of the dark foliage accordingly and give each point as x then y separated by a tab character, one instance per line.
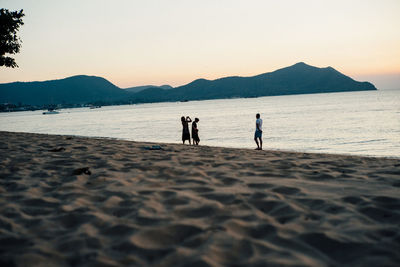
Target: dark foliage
10	43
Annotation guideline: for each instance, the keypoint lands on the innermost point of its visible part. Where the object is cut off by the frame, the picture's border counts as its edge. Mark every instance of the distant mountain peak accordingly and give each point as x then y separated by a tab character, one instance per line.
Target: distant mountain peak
301	64
199	81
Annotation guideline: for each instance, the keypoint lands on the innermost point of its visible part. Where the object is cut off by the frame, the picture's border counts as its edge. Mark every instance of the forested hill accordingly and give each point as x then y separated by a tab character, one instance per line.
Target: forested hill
297	79
79	89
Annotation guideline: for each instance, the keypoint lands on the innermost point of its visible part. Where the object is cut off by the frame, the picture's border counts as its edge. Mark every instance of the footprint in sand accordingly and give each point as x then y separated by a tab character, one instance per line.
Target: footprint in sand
80	171
58	149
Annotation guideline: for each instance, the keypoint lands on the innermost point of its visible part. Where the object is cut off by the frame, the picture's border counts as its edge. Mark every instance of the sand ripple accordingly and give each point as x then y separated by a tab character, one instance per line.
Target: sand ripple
70	201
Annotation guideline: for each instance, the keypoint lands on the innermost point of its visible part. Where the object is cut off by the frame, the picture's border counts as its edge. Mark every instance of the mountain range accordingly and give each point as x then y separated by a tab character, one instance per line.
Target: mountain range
144	87
296	79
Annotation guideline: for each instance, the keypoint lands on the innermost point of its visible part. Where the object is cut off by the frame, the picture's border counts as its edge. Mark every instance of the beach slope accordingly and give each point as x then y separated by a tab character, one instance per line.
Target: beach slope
73	201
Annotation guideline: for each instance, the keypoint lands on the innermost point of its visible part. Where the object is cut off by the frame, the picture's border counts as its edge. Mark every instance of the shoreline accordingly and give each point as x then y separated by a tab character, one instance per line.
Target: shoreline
210	146
44	107
69	200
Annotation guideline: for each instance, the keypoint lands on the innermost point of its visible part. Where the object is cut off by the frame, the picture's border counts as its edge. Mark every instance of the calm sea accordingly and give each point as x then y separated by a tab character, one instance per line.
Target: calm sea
360	123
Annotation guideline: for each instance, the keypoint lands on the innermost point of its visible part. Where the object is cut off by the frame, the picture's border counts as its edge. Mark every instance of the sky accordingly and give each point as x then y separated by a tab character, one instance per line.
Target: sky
140	42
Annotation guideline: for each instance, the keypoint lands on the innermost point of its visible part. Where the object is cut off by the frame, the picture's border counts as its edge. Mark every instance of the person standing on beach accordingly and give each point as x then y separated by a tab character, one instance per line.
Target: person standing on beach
258	133
185	130
195	132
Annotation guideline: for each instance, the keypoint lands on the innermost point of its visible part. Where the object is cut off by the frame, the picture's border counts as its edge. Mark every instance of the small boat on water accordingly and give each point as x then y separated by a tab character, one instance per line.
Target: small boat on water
51	111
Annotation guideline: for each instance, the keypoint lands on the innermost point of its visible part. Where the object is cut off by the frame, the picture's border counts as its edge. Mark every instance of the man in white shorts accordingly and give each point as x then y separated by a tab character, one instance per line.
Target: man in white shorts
258	133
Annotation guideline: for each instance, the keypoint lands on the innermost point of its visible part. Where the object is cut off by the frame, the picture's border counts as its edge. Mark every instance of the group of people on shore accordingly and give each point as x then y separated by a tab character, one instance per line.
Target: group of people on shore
186	132
195	131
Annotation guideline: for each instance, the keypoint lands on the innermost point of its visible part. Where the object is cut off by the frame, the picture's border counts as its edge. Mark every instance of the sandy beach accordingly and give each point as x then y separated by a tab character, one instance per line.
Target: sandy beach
75	201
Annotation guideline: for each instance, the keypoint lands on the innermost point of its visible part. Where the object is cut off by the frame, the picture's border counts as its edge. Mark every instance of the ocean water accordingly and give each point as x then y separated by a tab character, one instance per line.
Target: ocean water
359	123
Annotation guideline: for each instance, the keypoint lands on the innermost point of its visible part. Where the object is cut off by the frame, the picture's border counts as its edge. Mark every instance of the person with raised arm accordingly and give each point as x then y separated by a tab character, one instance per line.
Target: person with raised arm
185	130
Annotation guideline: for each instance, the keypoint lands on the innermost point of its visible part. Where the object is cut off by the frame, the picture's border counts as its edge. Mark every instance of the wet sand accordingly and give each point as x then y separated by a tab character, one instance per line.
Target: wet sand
75	201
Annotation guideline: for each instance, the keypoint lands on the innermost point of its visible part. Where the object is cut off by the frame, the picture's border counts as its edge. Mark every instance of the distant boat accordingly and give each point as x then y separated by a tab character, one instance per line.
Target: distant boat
93	107
50	111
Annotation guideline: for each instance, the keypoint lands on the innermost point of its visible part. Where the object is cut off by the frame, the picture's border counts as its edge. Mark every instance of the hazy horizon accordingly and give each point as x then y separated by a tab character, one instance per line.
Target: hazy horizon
135	43
382	82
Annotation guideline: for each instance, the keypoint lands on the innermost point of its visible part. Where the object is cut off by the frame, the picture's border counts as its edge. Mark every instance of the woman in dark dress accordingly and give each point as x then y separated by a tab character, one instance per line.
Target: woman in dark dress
185	130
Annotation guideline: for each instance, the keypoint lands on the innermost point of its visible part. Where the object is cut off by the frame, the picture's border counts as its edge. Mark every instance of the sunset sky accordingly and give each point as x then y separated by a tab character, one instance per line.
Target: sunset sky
133	43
